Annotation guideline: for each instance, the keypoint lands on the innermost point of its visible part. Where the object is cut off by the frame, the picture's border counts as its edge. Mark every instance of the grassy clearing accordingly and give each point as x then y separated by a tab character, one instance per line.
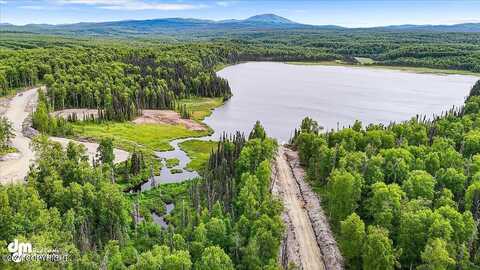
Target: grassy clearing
172	162
201	107
198	151
420	70
154	137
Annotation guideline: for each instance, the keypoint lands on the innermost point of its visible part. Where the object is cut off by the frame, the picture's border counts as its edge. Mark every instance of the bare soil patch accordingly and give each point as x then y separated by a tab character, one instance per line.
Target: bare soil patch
167	117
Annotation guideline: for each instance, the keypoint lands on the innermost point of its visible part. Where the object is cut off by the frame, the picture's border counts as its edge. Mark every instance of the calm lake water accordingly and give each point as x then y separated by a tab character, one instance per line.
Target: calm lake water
281	95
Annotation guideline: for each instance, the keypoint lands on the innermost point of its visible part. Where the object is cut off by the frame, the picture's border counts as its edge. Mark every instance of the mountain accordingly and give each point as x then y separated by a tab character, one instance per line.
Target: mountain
269	19
167	26
193	28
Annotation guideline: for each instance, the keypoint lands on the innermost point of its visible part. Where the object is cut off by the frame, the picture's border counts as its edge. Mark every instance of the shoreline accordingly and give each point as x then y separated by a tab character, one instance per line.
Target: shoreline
417	70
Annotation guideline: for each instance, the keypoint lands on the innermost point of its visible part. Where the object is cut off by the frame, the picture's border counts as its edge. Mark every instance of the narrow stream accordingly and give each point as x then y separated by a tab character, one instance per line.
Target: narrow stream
166	176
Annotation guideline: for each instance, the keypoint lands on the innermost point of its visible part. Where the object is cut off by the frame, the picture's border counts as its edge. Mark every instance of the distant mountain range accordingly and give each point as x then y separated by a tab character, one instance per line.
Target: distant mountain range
178	26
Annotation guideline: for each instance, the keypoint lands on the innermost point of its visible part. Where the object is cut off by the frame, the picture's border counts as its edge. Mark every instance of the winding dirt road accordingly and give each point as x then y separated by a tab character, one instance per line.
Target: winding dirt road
15	167
310	255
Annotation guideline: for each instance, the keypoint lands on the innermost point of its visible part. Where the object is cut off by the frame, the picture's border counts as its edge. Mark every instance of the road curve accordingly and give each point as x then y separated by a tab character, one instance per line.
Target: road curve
16	167
310	255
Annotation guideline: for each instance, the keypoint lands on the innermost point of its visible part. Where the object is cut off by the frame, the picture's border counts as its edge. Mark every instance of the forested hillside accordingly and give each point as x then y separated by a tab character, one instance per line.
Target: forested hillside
457	51
405	195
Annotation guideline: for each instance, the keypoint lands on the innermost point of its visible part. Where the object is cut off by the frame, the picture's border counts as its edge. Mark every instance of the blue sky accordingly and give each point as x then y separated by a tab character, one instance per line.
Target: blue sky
350	13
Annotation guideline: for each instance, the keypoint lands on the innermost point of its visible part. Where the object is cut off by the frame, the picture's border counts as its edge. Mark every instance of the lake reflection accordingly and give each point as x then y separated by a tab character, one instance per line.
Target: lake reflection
281	95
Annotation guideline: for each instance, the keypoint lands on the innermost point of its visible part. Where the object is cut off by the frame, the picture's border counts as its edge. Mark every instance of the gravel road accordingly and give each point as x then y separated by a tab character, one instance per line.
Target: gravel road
309	251
15	167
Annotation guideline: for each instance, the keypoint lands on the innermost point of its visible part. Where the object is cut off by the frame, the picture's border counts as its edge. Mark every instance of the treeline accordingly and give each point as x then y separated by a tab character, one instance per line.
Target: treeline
401	196
459	51
45	123
232	209
118	81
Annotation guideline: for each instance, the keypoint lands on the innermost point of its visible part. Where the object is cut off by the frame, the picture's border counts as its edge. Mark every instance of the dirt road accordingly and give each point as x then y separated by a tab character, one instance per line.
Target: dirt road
120	155
15	167
309	251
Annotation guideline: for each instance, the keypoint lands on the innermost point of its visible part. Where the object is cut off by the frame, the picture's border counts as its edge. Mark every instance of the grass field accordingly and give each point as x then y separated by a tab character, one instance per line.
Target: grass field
154	137
198	151
201	107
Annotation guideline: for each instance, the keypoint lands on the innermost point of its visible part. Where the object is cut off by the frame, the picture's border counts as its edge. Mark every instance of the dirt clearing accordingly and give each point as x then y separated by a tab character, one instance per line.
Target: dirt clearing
167	117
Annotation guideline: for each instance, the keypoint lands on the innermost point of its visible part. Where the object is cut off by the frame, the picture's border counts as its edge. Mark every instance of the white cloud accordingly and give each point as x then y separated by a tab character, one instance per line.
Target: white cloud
146	6
225	3
33	7
95	2
3	2
132	4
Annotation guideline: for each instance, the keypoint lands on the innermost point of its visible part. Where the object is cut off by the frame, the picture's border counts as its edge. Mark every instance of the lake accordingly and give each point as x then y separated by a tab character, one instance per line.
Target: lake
281	95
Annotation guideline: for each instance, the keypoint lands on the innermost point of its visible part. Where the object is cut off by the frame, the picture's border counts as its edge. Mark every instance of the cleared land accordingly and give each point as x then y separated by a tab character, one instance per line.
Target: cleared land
167	117
155	129
16	168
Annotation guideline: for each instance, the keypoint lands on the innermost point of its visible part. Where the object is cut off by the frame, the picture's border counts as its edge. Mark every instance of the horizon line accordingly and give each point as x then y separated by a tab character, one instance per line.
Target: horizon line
218	21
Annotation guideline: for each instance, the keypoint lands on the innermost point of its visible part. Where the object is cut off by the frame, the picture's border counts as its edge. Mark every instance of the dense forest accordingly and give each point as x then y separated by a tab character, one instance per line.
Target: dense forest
450	50
405	195
119	82
226	220
232	207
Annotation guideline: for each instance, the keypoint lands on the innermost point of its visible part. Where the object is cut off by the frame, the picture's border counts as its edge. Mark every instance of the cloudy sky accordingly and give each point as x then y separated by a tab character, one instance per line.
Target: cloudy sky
350	13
